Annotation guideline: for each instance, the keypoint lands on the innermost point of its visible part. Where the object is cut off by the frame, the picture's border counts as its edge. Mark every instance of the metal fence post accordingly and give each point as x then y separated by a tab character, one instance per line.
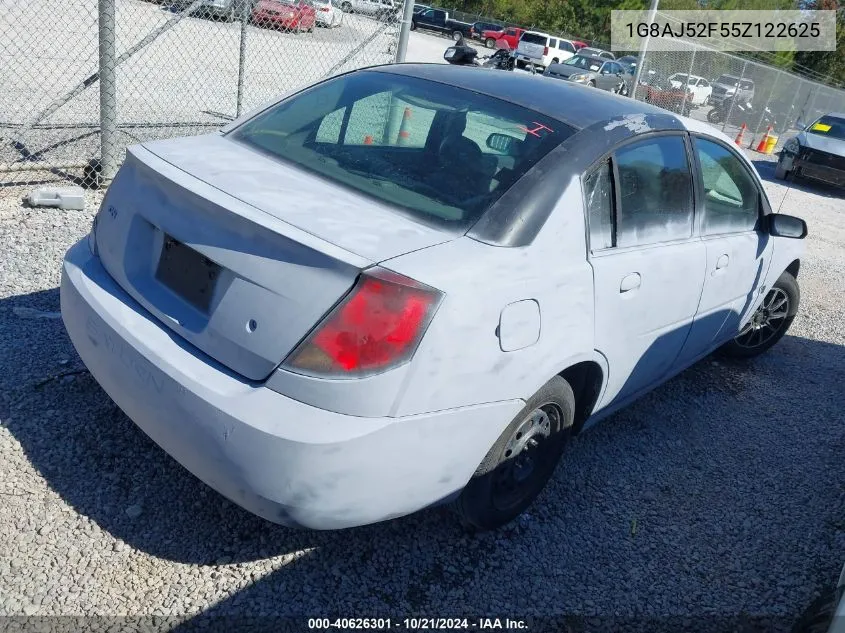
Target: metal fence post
735	96
404	30
108	91
686	91
244	6
644	47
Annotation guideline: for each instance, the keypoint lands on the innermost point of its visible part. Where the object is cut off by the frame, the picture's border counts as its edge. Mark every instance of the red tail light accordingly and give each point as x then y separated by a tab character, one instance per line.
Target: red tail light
377	326
545	51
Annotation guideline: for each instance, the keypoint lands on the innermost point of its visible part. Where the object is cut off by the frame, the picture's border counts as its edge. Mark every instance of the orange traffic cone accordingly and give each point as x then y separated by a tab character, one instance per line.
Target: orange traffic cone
368	140
404	134
761	146
738	139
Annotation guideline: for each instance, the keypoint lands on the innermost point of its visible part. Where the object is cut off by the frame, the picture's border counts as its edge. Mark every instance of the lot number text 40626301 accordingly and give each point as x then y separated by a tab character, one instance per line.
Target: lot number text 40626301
418	624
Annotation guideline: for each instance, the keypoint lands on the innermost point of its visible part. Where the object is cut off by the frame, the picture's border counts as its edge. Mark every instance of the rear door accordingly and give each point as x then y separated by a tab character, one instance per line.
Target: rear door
648	267
738	253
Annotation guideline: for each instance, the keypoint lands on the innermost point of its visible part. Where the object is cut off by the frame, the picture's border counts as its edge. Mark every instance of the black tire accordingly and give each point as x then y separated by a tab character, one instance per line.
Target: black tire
520	64
592	84
496	495
456	35
748	344
490	42
780	172
714	116
555	61
819	615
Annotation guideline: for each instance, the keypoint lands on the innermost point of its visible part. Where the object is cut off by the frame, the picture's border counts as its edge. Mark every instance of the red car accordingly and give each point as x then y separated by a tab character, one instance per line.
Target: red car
578	45
290	15
663	94
509	38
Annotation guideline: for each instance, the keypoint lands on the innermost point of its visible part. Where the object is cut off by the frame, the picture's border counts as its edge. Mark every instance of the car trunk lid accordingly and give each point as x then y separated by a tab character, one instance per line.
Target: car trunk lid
239	254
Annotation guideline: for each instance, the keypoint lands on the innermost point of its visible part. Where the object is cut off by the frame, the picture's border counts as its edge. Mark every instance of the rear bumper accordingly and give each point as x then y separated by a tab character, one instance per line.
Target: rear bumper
286	461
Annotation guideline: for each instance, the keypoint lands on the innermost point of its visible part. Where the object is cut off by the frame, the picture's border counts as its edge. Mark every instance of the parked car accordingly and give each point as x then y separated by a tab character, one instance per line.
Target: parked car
698	86
629	61
477	29
818	152
663	93
381	9
827	613
509	38
327	14
729	86
420	7
439	20
591	71
221	9
578	44
288	15
331	365
542	49
597	52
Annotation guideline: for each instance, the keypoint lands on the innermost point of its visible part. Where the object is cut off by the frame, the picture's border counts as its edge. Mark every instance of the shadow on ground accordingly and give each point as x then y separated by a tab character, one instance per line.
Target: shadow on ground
702	493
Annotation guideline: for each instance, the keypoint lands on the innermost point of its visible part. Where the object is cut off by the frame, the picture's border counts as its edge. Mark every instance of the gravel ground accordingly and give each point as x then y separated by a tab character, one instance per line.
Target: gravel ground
718	495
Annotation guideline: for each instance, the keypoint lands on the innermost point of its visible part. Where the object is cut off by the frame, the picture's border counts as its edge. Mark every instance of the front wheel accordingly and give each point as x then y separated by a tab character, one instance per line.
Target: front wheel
714	116
592	84
490	42
781	173
769	322
521	462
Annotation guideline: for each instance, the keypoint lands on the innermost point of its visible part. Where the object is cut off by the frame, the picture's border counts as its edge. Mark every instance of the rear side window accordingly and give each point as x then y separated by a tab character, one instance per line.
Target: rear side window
553	43
655	192
598	197
534	38
566	46
731	197
438	153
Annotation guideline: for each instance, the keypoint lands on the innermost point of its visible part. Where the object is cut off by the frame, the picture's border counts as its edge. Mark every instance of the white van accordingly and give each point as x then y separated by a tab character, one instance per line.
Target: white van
542	49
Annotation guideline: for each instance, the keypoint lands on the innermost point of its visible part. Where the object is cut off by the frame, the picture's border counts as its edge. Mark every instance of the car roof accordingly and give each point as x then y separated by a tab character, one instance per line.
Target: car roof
539	33
572	104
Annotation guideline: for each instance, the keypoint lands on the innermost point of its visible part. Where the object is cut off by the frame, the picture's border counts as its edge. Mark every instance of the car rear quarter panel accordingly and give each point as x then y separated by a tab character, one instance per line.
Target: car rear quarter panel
460	360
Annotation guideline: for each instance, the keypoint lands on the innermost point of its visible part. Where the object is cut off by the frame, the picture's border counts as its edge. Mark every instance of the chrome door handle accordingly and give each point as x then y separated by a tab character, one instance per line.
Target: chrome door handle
630	282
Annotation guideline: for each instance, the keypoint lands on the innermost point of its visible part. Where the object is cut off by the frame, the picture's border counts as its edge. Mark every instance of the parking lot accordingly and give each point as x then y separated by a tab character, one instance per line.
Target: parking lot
717	497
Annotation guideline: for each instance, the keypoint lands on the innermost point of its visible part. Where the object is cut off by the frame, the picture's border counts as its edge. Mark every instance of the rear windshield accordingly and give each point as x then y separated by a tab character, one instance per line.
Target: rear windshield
440	153
534	38
727	80
829	126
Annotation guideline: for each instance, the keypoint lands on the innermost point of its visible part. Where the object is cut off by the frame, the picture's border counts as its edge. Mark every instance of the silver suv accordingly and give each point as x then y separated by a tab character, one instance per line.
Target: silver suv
728	86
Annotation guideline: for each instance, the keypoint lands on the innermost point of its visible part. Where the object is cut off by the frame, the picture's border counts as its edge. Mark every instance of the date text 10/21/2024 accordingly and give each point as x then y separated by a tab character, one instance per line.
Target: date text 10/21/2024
418	624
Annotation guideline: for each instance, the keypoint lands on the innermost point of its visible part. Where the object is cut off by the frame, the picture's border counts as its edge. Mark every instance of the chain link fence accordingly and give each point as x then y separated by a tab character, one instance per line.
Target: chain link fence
167	69
730	92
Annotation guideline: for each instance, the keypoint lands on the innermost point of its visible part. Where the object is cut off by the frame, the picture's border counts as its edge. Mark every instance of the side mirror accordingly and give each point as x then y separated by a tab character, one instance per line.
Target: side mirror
501	142
781	225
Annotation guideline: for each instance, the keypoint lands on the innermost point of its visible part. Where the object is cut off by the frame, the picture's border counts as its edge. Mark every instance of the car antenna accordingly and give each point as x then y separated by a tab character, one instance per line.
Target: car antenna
789	180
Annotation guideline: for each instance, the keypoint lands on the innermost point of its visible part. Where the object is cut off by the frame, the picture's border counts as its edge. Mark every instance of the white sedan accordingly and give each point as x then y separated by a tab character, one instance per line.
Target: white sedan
413	284
699	86
327	14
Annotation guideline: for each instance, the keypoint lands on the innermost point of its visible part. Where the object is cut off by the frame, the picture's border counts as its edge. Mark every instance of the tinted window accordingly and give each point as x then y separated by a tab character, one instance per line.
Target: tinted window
704	83
553	43
730	195
728	80
598	196
655	192
566	46
418	145
534	38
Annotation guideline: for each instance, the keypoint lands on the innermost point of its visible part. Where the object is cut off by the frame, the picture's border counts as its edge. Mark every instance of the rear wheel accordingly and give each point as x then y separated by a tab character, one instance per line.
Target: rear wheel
592	84
490	42
769	322
521	462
